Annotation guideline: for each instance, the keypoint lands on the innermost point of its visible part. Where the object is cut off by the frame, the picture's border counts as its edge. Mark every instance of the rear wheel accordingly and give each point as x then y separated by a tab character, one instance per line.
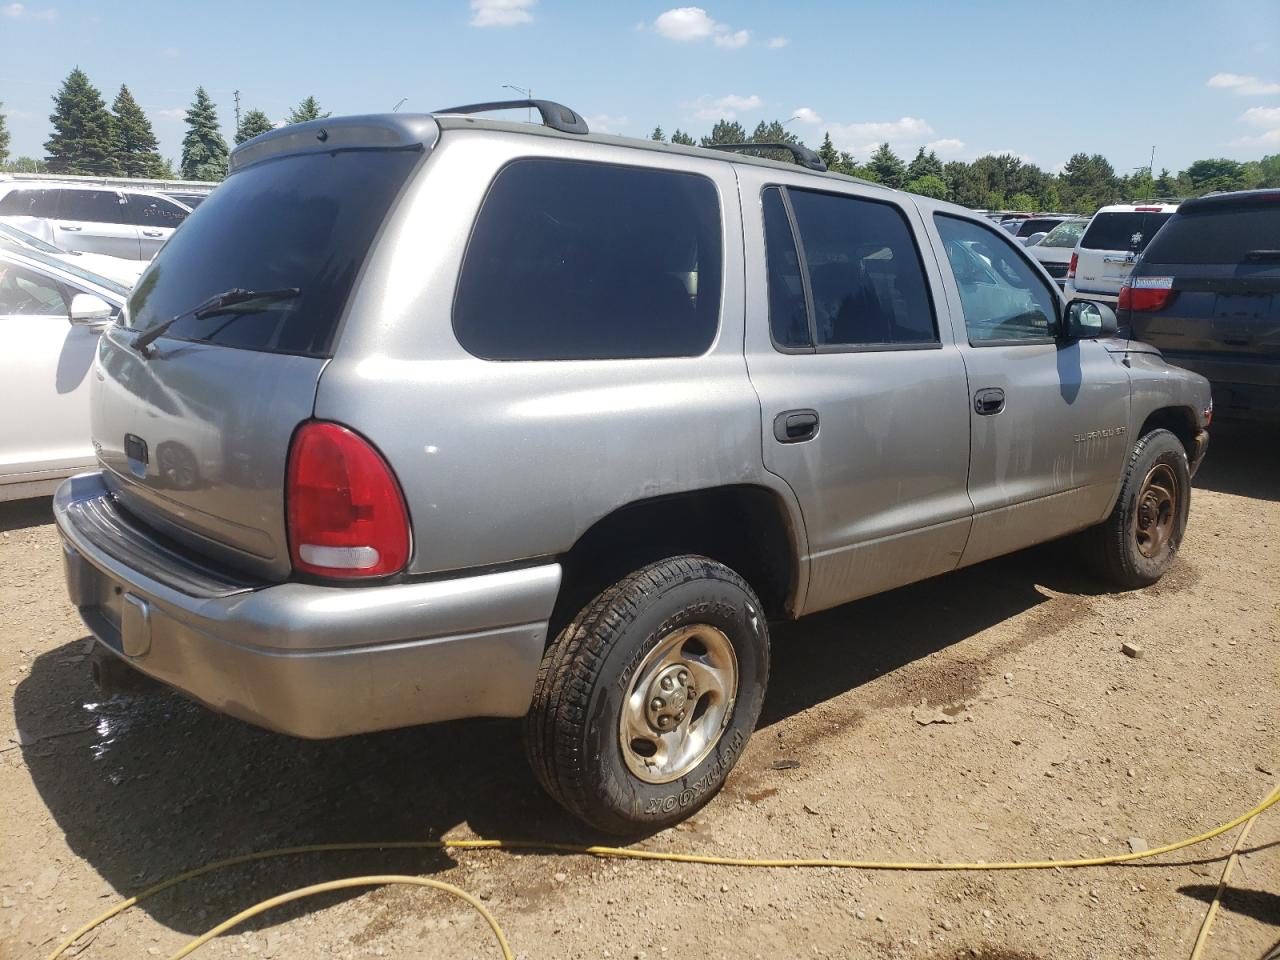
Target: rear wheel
1138	542
645	701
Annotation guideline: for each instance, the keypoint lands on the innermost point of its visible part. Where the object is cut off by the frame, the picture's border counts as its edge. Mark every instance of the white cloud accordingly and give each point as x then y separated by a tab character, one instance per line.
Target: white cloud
176	113
501	13
693	24
861	139
605	123
1245	86
806	115
724	108
18	11
1266	119
171	52
778	42
946	147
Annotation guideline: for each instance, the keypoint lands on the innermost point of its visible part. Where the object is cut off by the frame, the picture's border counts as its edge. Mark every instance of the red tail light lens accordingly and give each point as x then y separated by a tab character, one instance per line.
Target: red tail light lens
346	514
1145	293
1071	267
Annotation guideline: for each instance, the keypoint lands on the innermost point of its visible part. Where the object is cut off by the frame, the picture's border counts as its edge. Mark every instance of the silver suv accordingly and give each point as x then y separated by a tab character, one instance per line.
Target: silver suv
426	417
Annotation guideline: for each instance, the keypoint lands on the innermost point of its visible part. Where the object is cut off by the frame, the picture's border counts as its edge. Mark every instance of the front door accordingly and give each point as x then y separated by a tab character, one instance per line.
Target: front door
45	367
862	396
1048	415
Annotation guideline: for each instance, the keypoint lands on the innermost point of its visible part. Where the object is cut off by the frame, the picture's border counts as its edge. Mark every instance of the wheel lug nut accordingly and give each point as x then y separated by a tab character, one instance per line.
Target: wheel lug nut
667	684
680	716
658	703
664	720
684	676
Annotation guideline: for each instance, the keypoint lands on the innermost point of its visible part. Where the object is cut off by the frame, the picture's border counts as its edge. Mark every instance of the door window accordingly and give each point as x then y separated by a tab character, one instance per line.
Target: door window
144	211
30	203
24	292
866	284
93	206
1003	297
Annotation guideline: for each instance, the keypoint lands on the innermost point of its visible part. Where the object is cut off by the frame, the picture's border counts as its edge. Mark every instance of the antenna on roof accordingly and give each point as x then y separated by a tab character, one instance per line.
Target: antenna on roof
803	155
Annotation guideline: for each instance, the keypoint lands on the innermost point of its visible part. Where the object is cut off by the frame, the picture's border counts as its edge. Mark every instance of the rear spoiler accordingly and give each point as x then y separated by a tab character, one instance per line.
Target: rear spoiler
386	131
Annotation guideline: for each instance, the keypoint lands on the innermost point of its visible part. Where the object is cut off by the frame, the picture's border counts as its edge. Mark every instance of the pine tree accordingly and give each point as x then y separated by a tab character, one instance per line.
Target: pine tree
658	135
888	166
251	124
726	131
308	109
930	185
135	141
924	165
4	138
204	151
828	152
82	130
683	138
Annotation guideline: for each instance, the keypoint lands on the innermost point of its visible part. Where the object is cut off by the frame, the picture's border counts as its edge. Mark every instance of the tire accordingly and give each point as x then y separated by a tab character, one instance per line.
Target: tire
677	614
1125	548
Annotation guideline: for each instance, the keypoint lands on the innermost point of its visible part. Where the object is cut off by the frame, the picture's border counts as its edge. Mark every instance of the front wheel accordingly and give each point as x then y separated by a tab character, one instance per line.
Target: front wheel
645	701
1138	542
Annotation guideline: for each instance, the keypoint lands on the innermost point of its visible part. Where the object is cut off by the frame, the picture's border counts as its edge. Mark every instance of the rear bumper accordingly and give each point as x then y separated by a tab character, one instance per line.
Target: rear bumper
307	660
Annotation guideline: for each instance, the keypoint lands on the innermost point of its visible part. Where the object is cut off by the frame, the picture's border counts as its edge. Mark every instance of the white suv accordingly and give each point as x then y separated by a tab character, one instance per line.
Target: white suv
132	224
1112	242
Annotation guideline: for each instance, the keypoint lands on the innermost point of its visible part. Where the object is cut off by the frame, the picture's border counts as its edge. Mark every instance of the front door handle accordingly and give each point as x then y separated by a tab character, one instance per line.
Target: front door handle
152	233
988	401
795	426
69	226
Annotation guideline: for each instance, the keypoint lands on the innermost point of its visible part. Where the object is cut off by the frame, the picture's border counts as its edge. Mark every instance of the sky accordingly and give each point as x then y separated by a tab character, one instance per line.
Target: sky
1038	80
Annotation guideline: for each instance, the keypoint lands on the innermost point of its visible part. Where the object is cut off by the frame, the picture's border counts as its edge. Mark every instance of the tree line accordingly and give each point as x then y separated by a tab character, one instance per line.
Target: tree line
89	139
1006	182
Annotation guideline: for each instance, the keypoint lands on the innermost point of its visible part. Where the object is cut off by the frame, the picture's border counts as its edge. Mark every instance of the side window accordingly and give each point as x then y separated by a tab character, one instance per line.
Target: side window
93	206
788	315
1002	296
865	276
24	292
571	260
144	211
29	203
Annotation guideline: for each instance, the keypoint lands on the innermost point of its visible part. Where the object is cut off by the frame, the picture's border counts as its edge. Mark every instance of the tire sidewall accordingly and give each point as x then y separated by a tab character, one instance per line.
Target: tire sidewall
711	600
1162	448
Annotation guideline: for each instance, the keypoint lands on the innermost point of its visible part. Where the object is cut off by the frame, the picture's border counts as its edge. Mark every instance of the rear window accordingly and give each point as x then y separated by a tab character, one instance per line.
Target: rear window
571	260
1028	227
298	221
1065	234
1225	235
1122	231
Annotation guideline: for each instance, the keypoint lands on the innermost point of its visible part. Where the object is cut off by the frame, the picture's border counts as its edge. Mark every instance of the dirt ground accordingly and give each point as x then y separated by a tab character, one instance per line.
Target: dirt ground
1058	745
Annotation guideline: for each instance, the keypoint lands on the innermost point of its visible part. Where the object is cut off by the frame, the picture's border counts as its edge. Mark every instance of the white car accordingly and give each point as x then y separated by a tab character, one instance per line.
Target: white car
132	224
1111	244
51	313
118	269
1056	247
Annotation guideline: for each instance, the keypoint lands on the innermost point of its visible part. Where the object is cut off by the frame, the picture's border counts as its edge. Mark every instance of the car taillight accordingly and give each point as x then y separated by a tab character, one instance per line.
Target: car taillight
1145	293
1071	268
346	514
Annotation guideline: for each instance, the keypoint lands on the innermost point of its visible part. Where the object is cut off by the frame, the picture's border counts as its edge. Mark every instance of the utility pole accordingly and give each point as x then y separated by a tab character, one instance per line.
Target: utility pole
237	96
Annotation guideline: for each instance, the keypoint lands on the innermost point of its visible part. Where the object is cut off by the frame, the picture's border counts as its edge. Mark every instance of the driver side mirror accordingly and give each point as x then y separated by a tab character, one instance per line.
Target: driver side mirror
90	310
1087	320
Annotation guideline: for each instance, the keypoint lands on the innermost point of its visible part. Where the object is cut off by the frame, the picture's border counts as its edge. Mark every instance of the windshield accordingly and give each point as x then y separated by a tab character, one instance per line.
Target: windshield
1123	231
1225	234
303	221
1065	234
59	263
27	239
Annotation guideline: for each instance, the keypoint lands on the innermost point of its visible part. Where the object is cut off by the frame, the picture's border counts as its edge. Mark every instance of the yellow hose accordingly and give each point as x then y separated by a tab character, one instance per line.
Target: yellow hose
622	853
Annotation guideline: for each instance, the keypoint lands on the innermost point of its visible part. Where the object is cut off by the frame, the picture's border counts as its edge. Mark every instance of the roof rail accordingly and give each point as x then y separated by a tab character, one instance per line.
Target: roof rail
554	115
804	156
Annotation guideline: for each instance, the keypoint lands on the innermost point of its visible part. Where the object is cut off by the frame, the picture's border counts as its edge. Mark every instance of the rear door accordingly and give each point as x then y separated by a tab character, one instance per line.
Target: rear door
1048	416
1112	244
95	221
156	218
862	394
44	371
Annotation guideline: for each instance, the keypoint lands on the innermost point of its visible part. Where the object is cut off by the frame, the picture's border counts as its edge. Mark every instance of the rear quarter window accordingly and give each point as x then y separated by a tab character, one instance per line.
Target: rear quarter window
1122	231
571	260
1225	235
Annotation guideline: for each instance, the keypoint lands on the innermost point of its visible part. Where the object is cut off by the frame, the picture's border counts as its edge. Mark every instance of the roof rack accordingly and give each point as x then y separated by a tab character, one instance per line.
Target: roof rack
804	156
554	115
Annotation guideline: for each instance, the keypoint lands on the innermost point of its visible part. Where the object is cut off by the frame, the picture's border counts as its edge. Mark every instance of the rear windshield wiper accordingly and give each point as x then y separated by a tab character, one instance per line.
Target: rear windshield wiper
211	307
1262	256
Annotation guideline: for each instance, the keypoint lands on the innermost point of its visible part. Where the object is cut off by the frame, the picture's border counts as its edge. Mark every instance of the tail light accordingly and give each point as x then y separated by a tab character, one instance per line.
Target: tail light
1145	293
346	514
1071	268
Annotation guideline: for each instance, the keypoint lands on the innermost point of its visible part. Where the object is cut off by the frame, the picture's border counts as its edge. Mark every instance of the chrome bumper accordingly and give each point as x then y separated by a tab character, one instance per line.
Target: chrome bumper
303	659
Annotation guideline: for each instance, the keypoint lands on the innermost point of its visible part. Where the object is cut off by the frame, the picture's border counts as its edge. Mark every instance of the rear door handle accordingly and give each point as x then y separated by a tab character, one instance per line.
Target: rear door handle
795	426
152	233
69	226
988	401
